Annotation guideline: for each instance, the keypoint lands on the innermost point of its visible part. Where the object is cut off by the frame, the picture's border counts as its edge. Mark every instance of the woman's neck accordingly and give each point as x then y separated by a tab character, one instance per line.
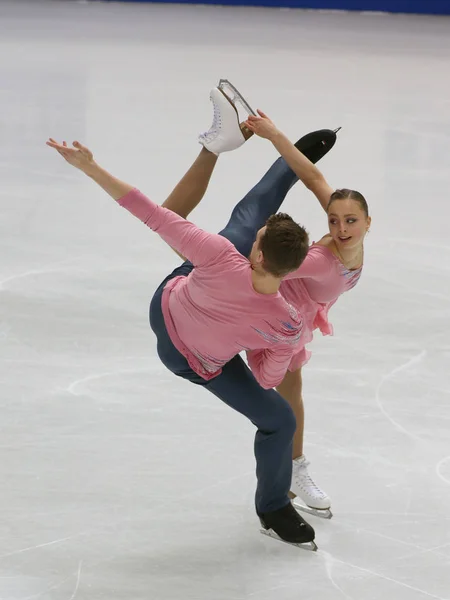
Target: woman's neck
351	258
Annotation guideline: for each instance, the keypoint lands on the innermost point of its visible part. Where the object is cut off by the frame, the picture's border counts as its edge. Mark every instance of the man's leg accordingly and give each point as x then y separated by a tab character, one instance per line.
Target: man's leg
238	388
275	422
272	415
266	409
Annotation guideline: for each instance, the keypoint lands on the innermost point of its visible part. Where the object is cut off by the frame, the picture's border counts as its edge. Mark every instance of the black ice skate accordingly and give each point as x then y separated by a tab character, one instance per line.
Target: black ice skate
286	525
316	144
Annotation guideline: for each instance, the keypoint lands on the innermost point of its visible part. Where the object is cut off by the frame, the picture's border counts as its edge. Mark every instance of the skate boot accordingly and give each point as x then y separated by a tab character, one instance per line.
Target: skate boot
226	132
309	497
316	144
286	525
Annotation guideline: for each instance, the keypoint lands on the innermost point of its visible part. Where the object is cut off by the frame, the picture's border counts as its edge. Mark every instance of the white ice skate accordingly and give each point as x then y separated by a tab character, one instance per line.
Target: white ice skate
309	497
226	132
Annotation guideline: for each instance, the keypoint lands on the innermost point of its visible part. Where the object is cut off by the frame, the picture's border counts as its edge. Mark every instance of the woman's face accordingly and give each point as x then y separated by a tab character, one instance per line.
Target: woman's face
348	223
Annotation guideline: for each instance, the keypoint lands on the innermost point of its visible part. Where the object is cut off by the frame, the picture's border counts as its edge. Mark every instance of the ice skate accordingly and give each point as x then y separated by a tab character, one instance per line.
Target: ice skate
309	497
286	525
226	132
316	144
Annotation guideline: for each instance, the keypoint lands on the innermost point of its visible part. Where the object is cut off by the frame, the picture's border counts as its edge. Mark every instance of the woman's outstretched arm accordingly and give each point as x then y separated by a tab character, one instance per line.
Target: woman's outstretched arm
199	246
305	170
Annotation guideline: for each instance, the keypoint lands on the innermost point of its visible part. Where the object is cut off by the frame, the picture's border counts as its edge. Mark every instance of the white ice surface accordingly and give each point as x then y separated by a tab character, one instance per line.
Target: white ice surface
120	481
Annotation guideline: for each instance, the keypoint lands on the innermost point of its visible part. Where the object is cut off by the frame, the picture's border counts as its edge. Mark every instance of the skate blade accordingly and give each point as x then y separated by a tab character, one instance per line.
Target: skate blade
316	512
309	546
247	134
234	96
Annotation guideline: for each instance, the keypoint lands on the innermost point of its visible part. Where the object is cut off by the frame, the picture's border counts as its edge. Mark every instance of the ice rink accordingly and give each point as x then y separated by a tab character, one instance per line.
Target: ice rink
120	481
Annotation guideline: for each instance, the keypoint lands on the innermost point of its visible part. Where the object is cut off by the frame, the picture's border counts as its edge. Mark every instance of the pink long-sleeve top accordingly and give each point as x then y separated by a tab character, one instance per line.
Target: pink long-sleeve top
214	313
313	289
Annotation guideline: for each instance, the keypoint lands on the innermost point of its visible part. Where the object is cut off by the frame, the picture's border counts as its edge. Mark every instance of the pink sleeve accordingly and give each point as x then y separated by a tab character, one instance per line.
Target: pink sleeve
196	245
317	265
269	366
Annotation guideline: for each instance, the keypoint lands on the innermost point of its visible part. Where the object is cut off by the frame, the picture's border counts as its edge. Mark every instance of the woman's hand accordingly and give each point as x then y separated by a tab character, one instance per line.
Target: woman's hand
262	126
79	156
82	158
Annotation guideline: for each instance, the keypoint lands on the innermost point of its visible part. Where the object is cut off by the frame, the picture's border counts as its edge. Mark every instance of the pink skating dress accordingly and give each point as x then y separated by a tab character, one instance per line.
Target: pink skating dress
312	290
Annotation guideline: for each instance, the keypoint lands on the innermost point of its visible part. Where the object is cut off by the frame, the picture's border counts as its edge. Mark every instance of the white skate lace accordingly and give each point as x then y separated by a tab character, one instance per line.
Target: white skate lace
215	127
303	479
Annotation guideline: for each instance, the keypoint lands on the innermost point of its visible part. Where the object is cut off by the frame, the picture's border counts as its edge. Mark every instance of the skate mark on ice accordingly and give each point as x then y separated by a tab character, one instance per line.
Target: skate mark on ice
434	550
71	388
439	467
329	561
391	539
408	501
56	267
52	543
386	578
50	268
418	549
167	504
384	513
77	584
57	585
404	367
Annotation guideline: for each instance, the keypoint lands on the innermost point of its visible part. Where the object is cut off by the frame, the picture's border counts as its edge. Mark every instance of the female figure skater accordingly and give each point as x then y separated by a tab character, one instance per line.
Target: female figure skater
217	304
333	264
